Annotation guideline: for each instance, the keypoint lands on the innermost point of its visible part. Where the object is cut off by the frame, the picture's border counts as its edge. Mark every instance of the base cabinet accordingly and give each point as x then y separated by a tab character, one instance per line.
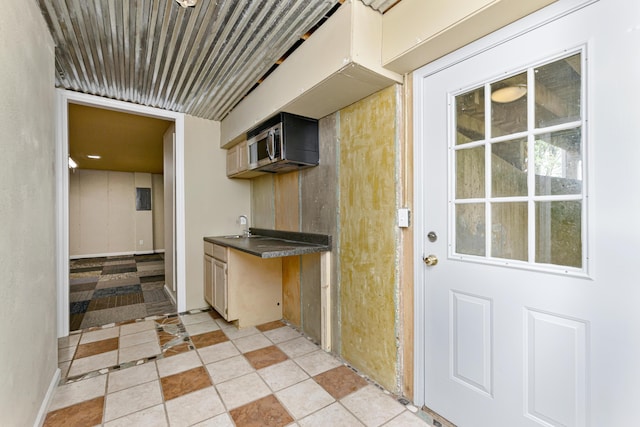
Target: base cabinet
242	288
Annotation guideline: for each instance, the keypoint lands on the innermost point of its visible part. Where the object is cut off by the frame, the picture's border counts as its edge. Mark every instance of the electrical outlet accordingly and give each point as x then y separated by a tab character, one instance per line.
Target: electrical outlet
141	242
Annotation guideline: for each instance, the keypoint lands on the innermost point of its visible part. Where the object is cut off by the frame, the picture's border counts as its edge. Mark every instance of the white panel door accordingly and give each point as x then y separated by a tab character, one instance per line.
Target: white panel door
527	150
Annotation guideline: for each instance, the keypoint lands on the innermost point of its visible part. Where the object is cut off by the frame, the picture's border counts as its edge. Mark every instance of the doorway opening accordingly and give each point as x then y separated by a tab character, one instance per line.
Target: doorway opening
120	235
64	100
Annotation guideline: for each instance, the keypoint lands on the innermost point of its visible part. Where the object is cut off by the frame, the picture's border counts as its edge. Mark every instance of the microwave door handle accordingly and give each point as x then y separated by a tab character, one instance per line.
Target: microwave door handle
271	144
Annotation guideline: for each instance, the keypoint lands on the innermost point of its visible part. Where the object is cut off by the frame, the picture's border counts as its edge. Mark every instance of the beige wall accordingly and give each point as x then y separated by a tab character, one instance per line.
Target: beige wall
212	201
102	213
144	219
28	359
416	32
157	196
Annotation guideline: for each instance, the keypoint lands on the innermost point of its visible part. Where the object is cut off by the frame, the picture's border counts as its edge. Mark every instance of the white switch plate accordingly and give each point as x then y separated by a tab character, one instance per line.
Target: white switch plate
403	217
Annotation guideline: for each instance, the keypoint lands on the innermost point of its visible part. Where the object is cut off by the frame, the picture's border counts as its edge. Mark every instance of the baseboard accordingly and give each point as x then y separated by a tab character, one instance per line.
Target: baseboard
46	402
101	255
115	254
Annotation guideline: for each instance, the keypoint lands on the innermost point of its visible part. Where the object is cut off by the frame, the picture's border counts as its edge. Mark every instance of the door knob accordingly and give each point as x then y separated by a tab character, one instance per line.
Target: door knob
430	260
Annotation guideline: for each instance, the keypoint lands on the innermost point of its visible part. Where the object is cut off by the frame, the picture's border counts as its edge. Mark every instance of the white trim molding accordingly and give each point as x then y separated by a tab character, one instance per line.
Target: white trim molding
65	97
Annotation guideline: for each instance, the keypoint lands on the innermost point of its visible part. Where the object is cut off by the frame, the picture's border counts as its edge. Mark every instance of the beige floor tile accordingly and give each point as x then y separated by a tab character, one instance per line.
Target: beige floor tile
69	341
190	319
242	390
317	362
178	363
64	368
304	398
229	368
150	417
222	420
129	377
66	354
407	419
252	342
218	352
334	415
72	393
93	363
224	325
282	334
138	338
139	351
201	328
194	407
133	328
234	333
99	335
298	347
372	406
132	400
283	375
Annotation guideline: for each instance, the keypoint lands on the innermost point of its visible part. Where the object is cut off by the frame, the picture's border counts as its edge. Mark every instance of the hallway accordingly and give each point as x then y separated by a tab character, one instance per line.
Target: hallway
197	369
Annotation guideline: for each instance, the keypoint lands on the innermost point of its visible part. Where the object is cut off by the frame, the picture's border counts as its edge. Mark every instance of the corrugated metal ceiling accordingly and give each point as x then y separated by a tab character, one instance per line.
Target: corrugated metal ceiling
381	5
199	60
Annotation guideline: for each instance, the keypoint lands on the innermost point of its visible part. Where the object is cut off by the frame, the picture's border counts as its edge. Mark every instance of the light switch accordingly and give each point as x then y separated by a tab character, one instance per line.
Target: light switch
403	217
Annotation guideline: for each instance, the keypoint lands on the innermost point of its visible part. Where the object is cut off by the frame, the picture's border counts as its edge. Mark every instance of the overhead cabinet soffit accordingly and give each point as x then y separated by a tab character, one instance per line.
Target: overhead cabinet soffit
337	66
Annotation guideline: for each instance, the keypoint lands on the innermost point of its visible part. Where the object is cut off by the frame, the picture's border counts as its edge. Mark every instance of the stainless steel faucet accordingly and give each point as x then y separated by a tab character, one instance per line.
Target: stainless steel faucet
244	221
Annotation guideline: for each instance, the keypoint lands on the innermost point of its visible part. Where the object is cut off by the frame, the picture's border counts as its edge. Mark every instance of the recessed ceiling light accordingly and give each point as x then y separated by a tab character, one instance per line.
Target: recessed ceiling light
187	3
94	156
509	94
72	163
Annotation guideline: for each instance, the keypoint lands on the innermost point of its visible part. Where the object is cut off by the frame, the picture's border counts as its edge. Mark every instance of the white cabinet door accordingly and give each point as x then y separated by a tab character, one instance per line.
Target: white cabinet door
220	288
208	279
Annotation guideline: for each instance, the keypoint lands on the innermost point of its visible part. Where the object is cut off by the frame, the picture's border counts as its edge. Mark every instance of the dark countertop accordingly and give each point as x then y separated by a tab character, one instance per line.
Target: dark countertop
274	243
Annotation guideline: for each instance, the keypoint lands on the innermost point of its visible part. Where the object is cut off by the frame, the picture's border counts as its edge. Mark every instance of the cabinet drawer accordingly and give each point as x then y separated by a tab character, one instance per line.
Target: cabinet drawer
220	252
208	248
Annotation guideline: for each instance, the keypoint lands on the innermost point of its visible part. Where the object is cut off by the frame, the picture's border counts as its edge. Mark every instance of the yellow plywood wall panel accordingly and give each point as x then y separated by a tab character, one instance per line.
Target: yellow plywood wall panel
287	210
368	264
287	206
291	290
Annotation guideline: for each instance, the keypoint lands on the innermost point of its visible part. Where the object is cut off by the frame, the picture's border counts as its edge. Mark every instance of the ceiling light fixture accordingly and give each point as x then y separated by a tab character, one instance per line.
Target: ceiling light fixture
94	156
72	163
508	94
187	3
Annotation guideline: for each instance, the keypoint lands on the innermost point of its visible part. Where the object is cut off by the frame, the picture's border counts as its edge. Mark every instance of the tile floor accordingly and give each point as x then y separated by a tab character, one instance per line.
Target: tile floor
113	289
197	369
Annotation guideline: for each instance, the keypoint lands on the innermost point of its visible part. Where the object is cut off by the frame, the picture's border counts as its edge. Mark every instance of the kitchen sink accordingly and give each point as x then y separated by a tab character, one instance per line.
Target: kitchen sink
239	236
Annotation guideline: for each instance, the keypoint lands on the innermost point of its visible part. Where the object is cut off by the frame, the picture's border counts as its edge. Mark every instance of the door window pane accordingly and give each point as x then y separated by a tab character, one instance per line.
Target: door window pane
559	233
558	159
509	230
509	168
470	226
535	165
558	92
509	105
470	116
470	173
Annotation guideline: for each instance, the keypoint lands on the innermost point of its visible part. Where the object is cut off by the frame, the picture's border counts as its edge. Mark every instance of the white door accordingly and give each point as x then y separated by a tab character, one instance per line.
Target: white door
527	174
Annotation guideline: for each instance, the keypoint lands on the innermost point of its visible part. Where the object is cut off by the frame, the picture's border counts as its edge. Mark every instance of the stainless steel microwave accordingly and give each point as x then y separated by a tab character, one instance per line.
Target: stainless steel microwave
283	143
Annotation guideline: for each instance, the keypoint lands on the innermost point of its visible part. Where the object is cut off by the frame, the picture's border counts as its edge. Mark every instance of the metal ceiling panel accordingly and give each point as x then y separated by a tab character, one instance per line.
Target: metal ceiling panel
198	60
380	5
